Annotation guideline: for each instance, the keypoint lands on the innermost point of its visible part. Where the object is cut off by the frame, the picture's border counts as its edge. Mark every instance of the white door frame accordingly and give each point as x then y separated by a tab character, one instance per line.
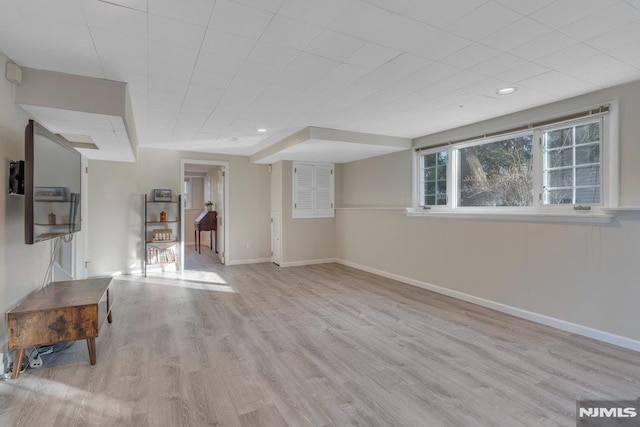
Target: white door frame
225	224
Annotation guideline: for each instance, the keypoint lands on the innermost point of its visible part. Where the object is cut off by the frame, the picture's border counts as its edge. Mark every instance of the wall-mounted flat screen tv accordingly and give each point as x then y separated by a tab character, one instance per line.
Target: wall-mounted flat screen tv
53	174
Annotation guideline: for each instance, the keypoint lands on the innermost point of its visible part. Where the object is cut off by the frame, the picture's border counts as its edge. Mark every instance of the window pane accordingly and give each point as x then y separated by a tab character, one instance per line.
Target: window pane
587	154
559	197
434	179
497	174
560	158
589	175
430	174
561	178
559	138
588	195
588	133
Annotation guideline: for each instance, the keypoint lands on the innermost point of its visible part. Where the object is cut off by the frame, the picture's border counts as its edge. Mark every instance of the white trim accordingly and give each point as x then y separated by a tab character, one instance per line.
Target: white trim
561	217
373	208
248	261
562	325
227	197
307	262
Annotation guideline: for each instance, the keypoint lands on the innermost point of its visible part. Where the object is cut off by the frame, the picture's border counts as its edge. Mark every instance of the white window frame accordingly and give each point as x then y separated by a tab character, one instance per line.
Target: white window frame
609	177
315	211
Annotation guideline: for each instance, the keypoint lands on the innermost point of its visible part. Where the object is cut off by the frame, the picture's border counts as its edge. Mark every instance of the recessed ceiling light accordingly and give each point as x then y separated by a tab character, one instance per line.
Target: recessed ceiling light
261	130
507	90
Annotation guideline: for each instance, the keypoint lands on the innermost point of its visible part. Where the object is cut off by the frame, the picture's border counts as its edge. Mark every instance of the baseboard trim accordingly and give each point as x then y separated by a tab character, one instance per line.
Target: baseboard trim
307	262
247	261
553	322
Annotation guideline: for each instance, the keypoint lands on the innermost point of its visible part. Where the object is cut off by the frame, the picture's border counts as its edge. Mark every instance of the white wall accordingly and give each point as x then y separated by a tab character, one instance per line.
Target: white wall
578	273
22	267
116	207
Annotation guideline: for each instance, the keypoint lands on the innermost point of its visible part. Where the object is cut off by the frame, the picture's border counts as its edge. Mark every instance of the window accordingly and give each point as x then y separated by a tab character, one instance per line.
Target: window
571	168
550	164
434	174
497	173
313	190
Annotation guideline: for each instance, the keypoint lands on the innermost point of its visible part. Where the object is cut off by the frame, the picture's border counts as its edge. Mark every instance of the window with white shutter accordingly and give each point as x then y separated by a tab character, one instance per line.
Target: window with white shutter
313	190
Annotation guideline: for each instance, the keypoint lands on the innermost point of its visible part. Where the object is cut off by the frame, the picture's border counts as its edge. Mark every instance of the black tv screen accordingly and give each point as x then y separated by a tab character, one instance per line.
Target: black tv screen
53	174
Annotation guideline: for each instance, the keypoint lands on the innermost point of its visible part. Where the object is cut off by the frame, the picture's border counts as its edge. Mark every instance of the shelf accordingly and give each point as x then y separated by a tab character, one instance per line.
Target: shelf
161	222
154	201
161	263
162	252
55	201
52	225
162	241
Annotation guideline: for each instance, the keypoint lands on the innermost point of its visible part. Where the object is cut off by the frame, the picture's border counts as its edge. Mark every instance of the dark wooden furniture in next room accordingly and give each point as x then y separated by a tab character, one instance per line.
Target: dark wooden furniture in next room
207	221
60	312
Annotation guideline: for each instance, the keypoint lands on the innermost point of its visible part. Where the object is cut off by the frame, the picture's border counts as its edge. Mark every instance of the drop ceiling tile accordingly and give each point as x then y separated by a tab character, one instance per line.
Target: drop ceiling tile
486	19
195	12
108	42
290	33
115	18
170	31
438	13
372	55
487	87
162	52
522	72
349	96
61	11
12	22
258	71
497	64
210	79
239	19
62	37
332	45
554	82
604	21
592	70
318	13
429	75
166	85
203	97
165	70
471	55
305	70
221	64
461	79
379	79
227	44
627	52
273	55
516	34
543	46
626	34
405	64
268	5
347	73
524	7
567	56
561	13
362	20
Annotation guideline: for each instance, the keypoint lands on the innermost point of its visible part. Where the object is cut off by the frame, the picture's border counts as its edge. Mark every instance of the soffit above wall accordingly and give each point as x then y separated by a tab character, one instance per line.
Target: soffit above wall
331	146
83	106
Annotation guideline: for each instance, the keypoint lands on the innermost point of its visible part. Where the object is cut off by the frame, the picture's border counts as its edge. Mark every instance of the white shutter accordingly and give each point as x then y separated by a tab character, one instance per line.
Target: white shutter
302	190
323	191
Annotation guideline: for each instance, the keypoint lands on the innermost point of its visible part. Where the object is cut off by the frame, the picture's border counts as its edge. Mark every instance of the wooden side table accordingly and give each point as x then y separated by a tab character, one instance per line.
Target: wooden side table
60	312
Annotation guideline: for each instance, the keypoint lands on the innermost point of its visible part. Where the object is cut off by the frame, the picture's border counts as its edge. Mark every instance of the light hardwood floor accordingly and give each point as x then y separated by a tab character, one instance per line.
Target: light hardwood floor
258	345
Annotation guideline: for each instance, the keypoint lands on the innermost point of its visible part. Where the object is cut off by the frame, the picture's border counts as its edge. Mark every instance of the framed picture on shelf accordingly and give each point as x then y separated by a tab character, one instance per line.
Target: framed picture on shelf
50	194
161	195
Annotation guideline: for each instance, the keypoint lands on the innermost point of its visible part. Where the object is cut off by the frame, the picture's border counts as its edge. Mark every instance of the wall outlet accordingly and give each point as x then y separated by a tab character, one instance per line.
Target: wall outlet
249	244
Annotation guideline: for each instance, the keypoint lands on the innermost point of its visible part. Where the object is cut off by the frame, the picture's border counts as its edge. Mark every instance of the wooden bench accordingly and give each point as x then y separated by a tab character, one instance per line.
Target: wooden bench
60	312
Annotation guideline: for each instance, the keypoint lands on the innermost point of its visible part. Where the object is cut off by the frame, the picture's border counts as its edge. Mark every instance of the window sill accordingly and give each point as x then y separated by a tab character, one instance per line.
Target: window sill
568	217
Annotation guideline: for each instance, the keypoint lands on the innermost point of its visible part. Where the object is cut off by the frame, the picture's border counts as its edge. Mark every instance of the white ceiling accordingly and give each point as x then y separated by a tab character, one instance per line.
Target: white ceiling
204	75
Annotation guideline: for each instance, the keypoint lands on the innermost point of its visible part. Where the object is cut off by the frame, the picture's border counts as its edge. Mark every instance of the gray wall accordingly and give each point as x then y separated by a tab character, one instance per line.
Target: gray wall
578	273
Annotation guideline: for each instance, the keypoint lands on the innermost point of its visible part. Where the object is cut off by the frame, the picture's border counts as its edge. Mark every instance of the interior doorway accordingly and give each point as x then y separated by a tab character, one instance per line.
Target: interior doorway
205	195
